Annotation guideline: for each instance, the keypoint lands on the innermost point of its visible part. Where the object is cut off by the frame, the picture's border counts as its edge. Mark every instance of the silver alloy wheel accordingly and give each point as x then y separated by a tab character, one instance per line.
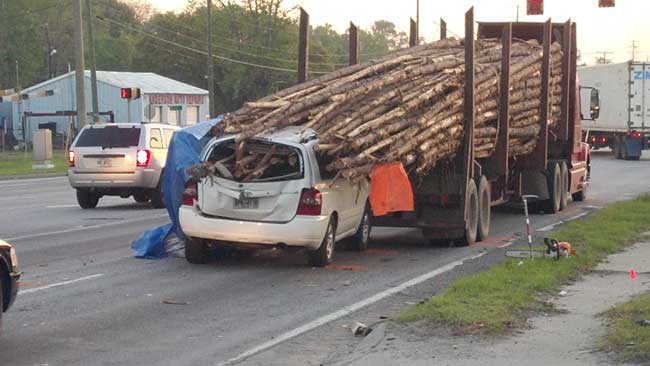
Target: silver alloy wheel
329	242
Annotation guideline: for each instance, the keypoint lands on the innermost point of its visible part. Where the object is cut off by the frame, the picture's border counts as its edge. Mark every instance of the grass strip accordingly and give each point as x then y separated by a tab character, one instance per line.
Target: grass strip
626	335
18	163
503	297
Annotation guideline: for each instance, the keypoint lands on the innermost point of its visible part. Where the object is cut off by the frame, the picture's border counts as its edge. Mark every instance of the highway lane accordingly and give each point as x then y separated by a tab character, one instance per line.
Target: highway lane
87	301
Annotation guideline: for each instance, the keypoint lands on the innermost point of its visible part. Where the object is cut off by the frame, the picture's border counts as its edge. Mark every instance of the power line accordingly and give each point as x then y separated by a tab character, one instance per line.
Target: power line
223	58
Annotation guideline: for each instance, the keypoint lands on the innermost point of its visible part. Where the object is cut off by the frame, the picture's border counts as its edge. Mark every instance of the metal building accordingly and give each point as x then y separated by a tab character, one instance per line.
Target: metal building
163	100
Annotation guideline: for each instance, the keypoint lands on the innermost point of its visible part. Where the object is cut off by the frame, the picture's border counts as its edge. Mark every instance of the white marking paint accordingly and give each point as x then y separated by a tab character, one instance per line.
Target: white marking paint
346	311
550	227
572	218
506	244
72	230
59	284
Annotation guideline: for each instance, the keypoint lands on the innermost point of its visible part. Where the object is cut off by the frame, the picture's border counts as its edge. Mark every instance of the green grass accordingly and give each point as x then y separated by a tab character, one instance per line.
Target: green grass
18	163
627	338
503	297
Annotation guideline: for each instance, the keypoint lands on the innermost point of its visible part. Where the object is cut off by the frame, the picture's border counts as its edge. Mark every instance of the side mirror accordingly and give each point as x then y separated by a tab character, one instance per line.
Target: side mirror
594	105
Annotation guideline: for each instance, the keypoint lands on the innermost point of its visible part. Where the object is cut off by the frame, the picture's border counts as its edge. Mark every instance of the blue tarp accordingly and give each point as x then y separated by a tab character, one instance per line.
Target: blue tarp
184	151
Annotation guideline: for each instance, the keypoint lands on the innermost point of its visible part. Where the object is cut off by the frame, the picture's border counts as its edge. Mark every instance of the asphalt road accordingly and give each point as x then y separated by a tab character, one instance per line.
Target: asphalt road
86	301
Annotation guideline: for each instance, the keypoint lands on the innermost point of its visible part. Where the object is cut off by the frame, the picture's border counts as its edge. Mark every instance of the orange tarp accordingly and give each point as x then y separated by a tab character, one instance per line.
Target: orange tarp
390	189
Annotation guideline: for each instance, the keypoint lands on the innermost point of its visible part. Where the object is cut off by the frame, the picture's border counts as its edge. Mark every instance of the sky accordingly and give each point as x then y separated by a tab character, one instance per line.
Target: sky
599	29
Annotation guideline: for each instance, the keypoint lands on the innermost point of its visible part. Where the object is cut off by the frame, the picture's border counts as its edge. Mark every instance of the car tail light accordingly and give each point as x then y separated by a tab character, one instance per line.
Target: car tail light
636	135
71	158
190	194
143	158
593	139
604	140
311	202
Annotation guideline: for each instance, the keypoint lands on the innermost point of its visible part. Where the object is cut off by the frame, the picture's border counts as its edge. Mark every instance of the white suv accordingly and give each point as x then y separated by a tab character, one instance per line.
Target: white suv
119	159
297	204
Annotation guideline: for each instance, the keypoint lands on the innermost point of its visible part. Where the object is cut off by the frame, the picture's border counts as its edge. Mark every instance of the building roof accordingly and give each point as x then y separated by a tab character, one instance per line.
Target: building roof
148	82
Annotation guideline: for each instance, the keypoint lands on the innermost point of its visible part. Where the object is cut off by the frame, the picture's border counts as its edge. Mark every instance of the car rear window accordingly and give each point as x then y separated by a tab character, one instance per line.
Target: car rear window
110	136
262	162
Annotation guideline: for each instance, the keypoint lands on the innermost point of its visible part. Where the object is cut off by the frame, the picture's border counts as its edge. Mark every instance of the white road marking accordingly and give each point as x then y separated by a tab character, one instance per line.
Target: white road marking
346	311
59	284
550	227
506	244
72	230
577	216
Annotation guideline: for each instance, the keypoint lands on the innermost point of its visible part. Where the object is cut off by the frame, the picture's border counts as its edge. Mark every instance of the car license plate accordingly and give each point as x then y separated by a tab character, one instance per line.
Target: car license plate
247	203
106	163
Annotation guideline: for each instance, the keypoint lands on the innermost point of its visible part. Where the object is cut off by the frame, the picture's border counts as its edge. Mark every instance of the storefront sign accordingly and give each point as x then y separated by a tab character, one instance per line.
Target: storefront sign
176	99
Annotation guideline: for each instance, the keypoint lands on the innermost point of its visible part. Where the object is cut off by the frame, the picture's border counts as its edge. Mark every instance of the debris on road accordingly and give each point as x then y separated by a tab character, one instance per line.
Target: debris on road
172	302
361	330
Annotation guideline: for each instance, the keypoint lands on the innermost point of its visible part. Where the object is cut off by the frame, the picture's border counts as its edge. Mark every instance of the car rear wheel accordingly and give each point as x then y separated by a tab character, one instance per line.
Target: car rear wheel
157	197
87	199
360	239
2	288
196	251
141	197
324	254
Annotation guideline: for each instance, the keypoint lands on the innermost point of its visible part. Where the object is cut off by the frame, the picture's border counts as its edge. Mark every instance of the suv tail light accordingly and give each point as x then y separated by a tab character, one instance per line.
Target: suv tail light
311	202
72	157
636	135
190	194
143	158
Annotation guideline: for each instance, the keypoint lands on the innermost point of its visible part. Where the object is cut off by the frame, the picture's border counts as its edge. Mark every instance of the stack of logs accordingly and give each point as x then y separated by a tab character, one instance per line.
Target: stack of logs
408	107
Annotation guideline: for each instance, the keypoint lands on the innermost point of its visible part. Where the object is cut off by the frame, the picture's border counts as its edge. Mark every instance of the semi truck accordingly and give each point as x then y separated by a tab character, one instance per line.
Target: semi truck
454	201
624	124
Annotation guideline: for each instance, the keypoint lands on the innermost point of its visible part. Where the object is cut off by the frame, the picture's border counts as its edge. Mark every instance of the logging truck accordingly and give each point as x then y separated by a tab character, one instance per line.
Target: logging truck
453	201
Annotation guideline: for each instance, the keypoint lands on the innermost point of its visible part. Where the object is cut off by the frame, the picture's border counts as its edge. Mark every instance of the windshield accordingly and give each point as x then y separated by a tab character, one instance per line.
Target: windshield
109	137
261	161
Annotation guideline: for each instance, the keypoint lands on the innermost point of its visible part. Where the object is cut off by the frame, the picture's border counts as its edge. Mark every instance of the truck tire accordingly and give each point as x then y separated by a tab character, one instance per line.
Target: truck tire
618	148
325	252
471	226
554	184
564	175
359	241
196	251
484	207
86	199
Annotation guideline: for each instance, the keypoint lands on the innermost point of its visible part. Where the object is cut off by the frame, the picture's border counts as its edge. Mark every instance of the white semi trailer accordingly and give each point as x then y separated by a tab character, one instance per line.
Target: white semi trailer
624	123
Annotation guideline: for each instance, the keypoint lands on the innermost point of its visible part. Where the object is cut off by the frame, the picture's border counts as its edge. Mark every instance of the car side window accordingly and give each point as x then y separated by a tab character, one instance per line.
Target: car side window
168	136
156	139
323	161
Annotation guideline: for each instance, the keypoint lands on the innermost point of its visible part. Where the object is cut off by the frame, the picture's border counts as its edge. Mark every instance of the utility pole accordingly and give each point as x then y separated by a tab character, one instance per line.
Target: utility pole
80	68
48	45
517	13
417	20
93	61
210	62
18	87
634	47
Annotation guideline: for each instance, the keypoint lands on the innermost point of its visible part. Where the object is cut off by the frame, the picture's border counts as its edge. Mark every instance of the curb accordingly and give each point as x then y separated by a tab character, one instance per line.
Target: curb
32	176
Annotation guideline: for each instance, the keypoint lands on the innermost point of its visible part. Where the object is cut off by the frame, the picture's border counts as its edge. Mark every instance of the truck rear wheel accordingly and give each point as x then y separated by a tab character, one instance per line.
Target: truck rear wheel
471	226
618	148
485	209
554	184
564	196
196	251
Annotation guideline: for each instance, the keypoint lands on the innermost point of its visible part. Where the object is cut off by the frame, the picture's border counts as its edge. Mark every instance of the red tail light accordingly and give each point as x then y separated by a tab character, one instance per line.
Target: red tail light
636	135
71	158
190	194
143	158
604	140
593	139
311	202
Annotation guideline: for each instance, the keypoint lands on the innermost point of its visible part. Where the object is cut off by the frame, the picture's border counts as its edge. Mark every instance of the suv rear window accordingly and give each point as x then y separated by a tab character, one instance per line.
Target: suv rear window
110	136
282	162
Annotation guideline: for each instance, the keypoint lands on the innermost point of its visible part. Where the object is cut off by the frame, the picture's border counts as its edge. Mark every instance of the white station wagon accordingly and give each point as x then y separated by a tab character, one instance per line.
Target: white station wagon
296	204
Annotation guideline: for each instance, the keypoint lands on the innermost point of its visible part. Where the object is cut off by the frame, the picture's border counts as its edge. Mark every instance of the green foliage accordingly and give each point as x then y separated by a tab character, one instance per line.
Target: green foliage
133	38
502	297
625	336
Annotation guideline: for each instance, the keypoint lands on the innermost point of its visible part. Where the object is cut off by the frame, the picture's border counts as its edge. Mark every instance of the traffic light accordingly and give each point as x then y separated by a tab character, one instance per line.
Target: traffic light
535	7
130	93
606	3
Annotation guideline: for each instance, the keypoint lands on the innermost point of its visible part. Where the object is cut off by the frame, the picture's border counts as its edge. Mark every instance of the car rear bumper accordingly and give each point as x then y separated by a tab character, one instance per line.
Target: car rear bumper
141	178
302	231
